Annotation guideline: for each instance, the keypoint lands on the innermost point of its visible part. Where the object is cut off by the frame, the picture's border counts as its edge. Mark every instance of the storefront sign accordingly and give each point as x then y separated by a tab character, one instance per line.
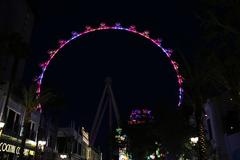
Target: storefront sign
10	148
4	147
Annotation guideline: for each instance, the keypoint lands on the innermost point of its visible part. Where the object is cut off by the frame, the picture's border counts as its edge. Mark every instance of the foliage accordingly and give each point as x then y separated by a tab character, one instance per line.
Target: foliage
220	30
31	102
157	152
214	69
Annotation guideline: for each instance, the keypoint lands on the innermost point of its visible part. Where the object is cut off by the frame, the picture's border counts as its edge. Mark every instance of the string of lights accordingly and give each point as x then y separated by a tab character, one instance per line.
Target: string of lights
140	116
117	26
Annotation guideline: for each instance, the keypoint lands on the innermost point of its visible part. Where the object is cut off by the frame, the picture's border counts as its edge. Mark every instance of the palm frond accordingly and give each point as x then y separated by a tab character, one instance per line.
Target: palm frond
31	100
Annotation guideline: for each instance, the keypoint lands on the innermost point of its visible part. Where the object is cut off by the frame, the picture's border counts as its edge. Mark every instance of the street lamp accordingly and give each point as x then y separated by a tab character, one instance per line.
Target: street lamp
194	140
41	144
39	148
63	156
2	124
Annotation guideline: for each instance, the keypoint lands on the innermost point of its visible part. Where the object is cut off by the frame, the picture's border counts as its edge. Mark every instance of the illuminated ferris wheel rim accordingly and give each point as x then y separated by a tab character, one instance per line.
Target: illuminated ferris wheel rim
117	26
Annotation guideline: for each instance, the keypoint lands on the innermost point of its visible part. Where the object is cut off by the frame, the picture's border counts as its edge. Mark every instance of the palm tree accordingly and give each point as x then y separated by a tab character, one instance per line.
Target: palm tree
196	79
215	69
221	37
31	101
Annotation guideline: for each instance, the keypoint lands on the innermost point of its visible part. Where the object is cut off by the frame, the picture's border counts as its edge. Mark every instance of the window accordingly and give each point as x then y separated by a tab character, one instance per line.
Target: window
74	146
62	144
5	112
83	152
32	133
50	142
17	123
12	121
79	148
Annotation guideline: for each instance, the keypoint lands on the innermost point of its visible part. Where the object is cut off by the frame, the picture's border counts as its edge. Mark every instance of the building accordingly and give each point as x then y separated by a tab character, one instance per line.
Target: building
95	154
17	17
69	144
89	152
73	144
222	121
11	132
16	23
48	136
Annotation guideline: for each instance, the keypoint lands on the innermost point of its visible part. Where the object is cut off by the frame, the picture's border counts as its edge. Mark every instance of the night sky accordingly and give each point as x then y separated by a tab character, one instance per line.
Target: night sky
141	73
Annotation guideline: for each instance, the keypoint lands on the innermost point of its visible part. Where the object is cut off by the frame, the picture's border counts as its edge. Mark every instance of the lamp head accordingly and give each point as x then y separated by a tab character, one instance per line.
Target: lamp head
2	124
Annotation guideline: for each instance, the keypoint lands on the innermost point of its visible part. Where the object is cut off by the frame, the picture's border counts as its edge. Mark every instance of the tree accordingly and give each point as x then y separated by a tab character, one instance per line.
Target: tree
31	102
198	88
214	69
220	28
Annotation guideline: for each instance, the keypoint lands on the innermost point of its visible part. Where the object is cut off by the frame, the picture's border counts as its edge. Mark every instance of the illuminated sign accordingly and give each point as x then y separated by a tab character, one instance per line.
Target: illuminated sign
4	147
84	133
85	136
31	143
9	148
86	140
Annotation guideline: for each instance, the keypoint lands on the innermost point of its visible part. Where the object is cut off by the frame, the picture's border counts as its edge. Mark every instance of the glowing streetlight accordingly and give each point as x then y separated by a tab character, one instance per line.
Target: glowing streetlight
41	144
63	156
194	140
152	156
2	124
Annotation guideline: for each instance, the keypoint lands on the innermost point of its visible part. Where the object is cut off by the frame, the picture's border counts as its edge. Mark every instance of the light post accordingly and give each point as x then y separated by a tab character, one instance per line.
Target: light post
63	156
194	140
41	146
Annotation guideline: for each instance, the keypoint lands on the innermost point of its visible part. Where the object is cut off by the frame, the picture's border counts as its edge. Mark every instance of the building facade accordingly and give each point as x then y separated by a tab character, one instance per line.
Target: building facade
95	154
48	135
12	116
73	144
16	24
222	121
17	17
69	144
